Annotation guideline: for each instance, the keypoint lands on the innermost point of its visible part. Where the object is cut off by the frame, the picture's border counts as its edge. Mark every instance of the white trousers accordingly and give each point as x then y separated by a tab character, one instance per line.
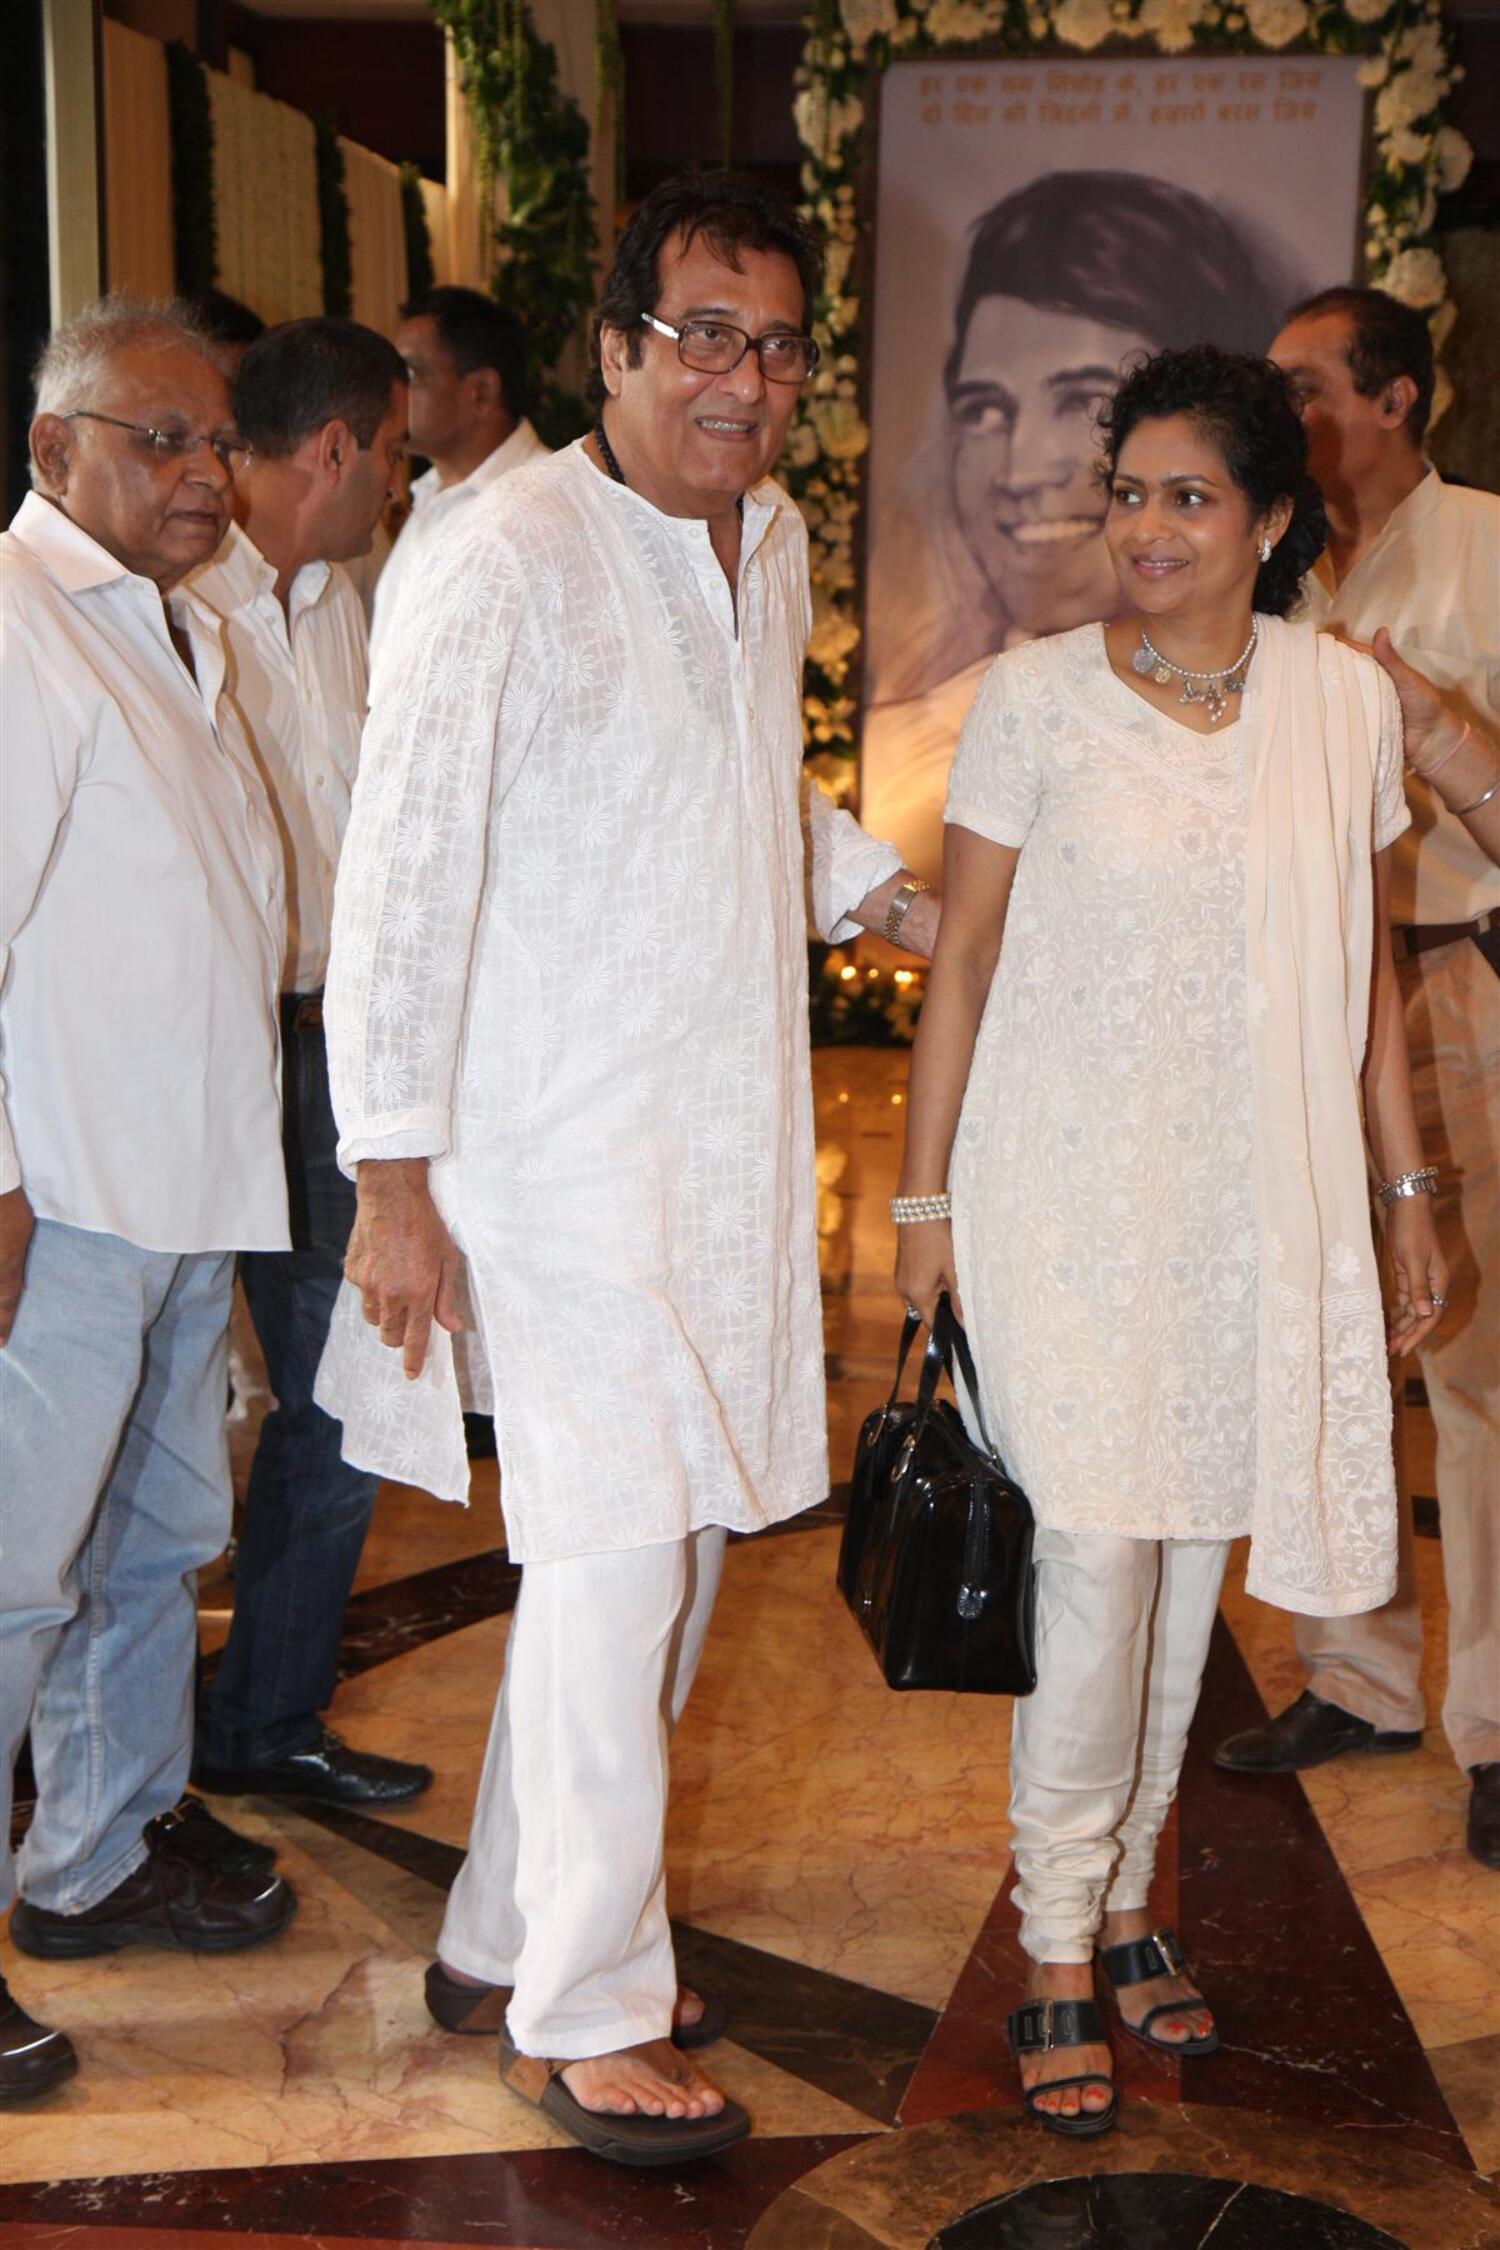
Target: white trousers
1371	1664
563	1892
1122	1637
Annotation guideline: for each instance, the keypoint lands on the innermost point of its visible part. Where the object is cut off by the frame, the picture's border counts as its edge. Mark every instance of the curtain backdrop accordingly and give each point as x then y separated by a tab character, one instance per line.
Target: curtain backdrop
435	204
265	196
137	164
265	202
377	236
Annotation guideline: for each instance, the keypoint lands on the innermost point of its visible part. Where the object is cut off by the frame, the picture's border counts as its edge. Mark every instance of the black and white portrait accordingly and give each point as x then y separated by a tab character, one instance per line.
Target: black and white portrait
1039	225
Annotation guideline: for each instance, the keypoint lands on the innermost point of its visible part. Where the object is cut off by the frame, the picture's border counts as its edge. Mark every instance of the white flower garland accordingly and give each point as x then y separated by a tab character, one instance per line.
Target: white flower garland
1416	157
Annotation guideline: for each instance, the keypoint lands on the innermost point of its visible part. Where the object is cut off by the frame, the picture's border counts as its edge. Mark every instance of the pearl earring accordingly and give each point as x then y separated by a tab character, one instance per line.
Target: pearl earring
1265	550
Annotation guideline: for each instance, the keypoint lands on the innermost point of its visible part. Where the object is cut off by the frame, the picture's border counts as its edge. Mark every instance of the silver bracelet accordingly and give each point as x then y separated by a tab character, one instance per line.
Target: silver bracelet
900	907
911	1210
1462	812
1423	1182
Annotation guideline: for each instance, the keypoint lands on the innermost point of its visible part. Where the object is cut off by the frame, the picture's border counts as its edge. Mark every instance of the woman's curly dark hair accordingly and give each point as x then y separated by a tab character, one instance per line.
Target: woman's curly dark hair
1246	409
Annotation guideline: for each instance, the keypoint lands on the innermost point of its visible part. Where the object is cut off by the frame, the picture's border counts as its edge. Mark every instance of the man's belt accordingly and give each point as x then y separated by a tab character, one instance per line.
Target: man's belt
1421	937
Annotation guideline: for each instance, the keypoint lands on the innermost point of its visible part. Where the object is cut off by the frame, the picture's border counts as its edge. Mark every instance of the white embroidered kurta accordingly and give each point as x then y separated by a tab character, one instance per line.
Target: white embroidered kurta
569	966
1105	1207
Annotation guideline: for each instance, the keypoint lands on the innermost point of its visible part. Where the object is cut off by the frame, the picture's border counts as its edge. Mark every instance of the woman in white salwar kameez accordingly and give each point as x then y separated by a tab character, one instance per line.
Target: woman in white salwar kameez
1150	1097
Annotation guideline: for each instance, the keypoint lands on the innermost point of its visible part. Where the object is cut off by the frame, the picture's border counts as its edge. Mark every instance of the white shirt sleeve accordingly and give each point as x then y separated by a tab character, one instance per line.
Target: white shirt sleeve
41	752
843	864
456	702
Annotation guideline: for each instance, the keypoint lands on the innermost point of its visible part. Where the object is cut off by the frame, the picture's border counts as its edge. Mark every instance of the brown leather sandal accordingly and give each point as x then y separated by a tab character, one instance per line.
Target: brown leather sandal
619	2138
477	2011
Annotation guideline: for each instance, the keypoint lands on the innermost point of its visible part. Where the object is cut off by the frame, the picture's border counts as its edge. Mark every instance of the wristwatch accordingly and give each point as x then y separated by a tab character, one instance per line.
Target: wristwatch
900	907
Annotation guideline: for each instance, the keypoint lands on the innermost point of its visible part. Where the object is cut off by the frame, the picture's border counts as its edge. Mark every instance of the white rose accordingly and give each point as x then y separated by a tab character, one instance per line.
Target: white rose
1367	11
833	639
1083	23
810	114
1373	71
802	445
1416	278
1276	23
1422	45
865	20
1406	98
1454	156
956	22
836	268
1171	23
838	423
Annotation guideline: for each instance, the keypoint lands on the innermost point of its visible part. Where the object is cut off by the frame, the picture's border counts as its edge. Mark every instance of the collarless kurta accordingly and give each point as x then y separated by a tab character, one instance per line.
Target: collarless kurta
569	967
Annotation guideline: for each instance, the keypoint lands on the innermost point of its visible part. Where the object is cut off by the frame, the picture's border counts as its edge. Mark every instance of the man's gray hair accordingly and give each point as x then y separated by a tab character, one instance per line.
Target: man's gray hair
73	357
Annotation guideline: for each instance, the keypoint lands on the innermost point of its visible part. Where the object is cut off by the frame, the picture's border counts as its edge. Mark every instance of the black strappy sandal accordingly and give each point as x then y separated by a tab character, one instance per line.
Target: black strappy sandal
1136	1962
1044	2024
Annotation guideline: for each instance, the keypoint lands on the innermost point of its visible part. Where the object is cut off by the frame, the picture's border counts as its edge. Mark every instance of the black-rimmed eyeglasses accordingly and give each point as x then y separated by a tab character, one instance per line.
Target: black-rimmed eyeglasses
173	445
713	347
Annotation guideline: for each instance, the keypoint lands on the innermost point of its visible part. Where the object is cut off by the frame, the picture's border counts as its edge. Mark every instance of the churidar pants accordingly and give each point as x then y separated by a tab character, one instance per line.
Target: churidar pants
1122	1637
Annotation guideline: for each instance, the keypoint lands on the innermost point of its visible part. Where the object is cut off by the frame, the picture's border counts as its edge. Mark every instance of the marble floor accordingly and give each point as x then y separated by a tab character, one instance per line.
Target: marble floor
838	1868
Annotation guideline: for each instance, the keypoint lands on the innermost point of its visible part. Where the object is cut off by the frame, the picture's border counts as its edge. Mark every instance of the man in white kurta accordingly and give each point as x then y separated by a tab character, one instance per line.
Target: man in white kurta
569	987
1422	559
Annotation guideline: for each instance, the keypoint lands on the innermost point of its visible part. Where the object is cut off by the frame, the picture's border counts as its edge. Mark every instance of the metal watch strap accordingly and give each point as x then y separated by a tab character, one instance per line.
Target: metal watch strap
900	907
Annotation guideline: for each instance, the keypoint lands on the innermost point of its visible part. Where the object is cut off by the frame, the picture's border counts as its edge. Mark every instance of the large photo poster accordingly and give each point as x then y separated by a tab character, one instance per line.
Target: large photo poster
1037	225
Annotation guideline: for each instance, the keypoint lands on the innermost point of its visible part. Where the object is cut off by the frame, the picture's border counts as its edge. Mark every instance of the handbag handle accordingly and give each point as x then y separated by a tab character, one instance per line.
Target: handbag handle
909	1327
946	1345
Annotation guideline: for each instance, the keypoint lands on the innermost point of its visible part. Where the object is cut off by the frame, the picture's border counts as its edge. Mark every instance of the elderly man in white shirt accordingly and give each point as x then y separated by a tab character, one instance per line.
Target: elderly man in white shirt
466	362
322	405
1419	560
139	1146
568	1035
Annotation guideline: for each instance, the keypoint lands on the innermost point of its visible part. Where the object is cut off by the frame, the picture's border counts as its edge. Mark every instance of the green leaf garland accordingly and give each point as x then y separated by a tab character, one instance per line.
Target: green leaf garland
420	271
333	221
533	139
195	250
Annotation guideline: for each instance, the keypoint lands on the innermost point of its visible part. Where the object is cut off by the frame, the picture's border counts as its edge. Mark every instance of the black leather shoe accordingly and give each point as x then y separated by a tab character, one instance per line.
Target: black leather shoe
1483	1832
174	1898
1307	1733
329	1772
200	1835
32	2059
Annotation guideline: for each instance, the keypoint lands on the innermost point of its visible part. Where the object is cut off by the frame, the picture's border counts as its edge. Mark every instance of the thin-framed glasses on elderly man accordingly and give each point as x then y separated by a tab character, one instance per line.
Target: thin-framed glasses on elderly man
714	347
230	450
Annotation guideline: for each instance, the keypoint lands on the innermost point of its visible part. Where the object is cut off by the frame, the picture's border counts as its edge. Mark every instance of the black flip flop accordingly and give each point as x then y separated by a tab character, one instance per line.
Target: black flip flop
620	2140
1136	1961
1044	2024
477	2011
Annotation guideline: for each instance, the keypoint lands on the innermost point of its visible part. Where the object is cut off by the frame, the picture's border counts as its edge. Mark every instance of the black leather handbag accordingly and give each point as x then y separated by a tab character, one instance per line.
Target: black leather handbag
935	1561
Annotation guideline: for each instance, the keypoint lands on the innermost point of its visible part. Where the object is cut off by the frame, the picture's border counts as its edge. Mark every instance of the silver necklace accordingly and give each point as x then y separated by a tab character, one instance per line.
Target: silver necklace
1212	688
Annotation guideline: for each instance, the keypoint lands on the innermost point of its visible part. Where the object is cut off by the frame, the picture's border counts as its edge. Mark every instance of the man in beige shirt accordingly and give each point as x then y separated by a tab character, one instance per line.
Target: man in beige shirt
1421	558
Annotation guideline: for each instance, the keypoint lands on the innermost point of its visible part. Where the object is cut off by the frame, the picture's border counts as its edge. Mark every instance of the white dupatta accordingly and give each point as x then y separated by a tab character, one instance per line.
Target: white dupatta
1323	1525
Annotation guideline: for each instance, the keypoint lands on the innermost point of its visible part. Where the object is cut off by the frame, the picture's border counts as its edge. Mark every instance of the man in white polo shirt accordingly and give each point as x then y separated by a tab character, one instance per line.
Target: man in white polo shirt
139	1147
1421	558
466	362
322	405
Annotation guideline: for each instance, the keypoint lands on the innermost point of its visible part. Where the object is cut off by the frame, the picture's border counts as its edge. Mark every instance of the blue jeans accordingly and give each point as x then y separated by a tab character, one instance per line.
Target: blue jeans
114	1490
306	1510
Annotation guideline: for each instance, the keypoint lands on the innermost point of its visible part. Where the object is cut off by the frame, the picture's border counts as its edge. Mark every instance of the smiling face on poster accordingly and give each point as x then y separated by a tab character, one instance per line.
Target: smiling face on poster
1039	225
